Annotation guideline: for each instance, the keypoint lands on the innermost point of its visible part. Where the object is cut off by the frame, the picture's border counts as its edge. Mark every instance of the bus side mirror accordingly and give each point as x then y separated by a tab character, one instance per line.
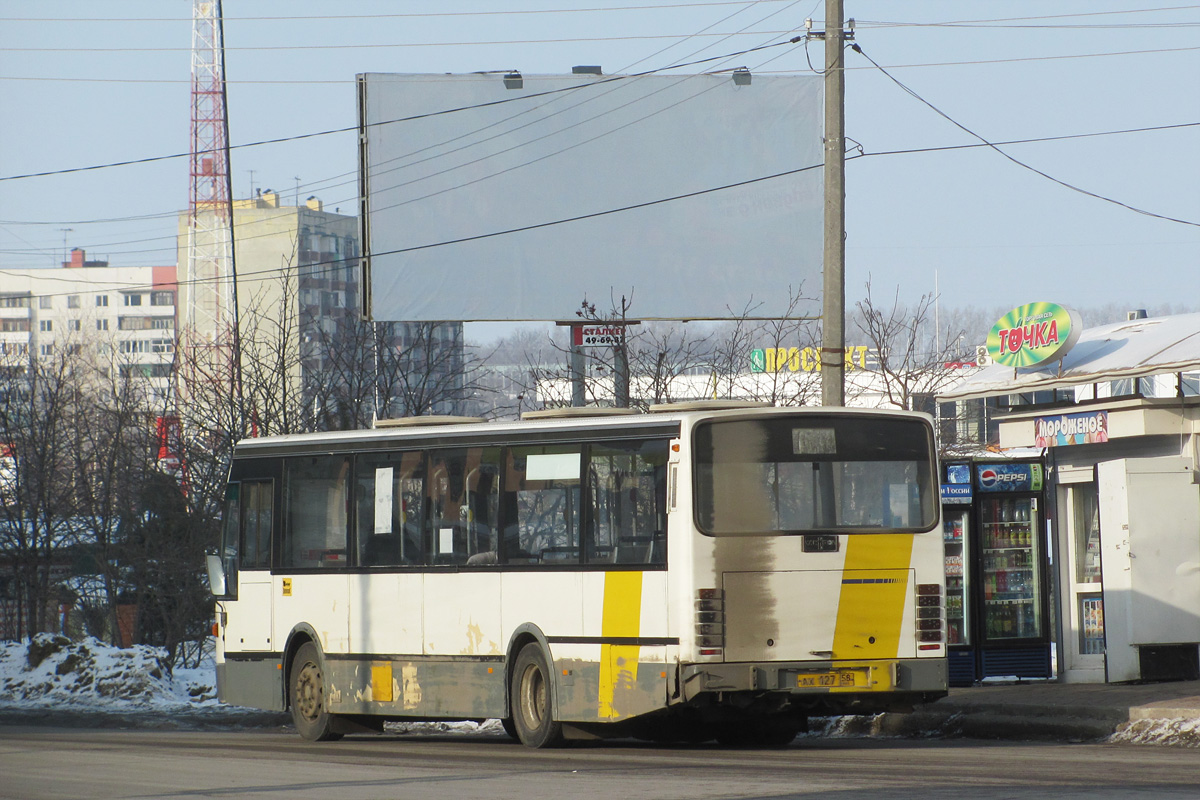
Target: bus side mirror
216	575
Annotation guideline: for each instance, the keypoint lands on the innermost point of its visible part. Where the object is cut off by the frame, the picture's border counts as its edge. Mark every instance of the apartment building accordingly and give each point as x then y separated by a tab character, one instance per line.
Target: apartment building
298	288
124	318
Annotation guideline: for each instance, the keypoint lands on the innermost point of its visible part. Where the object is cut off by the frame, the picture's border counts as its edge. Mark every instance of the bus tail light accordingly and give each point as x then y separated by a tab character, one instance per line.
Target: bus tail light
710	621
931	622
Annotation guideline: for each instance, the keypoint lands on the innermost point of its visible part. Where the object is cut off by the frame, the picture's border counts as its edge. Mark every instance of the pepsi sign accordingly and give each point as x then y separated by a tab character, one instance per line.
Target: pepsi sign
1009	477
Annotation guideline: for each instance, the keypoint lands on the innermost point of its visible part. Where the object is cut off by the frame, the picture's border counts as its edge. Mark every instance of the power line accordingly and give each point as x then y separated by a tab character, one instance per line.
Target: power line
340	263
586	10
346	82
389	45
1033	140
995	22
858	49
908	151
590	98
298	137
412	15
1037	58
1037	140
331	265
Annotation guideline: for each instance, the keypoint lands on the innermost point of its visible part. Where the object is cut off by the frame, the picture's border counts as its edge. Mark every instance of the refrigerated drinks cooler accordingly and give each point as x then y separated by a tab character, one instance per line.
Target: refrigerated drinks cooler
996	571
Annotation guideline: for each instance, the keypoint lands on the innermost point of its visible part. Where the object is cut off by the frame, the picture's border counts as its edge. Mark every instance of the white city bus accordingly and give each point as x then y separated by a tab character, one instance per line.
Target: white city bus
688	573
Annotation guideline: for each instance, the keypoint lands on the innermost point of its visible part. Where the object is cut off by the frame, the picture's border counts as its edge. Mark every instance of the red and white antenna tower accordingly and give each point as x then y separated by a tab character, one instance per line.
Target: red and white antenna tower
208	292
209	284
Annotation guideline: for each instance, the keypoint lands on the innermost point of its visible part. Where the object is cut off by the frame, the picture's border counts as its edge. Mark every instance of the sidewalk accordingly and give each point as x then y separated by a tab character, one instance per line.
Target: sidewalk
1155	713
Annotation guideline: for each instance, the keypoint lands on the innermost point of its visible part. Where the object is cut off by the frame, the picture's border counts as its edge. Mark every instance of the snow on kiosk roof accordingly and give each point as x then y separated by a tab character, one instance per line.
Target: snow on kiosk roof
1130	349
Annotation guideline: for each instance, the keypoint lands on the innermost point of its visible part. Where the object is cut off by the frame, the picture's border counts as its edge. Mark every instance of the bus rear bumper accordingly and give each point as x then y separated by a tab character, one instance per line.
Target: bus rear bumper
826	687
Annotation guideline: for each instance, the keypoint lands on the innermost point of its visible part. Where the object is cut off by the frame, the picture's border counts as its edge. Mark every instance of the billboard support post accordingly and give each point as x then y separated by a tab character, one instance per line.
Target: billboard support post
621	375
578	399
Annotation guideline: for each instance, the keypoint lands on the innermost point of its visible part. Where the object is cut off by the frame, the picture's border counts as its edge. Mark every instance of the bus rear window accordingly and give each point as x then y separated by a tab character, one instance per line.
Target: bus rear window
807	473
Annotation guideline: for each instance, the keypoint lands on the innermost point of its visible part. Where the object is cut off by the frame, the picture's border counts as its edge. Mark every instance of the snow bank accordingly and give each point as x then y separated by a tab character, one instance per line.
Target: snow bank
50	671
1172	732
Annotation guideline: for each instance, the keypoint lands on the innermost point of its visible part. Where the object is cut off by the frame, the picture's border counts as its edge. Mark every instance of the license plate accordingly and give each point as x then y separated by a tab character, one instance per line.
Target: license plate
833	679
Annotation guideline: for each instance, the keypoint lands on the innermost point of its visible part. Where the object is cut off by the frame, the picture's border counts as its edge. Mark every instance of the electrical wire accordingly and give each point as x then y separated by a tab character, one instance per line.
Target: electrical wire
411	15
907	151
298	137
973	62
332	265
982	22
379	46
589	98
858	49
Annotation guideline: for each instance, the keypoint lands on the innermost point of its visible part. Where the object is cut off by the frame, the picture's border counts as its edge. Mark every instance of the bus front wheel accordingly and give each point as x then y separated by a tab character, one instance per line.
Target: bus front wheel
306	696
532	709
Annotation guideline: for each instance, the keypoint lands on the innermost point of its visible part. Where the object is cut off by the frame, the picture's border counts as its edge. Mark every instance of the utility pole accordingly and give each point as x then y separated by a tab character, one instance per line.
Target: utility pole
833	298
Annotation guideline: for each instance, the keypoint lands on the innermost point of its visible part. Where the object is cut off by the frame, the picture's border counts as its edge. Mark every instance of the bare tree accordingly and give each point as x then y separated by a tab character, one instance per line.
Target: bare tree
113	452
916	361
513	369
393	369
790	369
39	413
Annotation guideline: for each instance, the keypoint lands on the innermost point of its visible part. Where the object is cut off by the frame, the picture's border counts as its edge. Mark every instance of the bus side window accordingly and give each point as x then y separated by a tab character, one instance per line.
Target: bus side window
627	520
391	509
317	497
463	505
542	488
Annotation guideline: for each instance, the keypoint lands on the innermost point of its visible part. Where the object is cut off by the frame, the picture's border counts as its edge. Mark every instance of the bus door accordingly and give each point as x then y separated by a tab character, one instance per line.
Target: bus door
249	515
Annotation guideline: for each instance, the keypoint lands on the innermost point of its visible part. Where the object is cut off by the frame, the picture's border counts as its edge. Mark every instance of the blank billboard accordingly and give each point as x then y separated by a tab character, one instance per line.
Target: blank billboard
696	197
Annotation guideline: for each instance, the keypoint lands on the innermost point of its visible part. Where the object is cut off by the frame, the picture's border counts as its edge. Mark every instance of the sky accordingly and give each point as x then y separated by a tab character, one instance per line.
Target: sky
87	83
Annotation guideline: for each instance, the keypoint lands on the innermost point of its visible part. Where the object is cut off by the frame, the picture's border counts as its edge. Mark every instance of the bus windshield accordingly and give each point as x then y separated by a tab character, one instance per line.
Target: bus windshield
814	473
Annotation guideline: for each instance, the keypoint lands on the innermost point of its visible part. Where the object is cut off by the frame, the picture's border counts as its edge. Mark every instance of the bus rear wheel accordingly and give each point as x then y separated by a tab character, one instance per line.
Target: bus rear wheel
306	696
529	694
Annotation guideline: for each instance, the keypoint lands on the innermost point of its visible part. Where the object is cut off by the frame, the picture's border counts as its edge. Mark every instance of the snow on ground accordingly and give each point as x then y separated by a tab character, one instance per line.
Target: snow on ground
1173	732
50	672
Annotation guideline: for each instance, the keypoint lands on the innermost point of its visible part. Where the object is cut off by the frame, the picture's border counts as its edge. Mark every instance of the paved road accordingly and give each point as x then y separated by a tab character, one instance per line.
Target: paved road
40	762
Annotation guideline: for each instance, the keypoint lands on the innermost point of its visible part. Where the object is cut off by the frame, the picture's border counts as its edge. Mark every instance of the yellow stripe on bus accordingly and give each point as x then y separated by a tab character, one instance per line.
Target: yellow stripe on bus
622	618
874	588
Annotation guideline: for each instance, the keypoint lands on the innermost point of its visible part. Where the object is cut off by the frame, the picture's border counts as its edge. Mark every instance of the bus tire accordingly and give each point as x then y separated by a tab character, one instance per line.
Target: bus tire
530	695
509	727
306	696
